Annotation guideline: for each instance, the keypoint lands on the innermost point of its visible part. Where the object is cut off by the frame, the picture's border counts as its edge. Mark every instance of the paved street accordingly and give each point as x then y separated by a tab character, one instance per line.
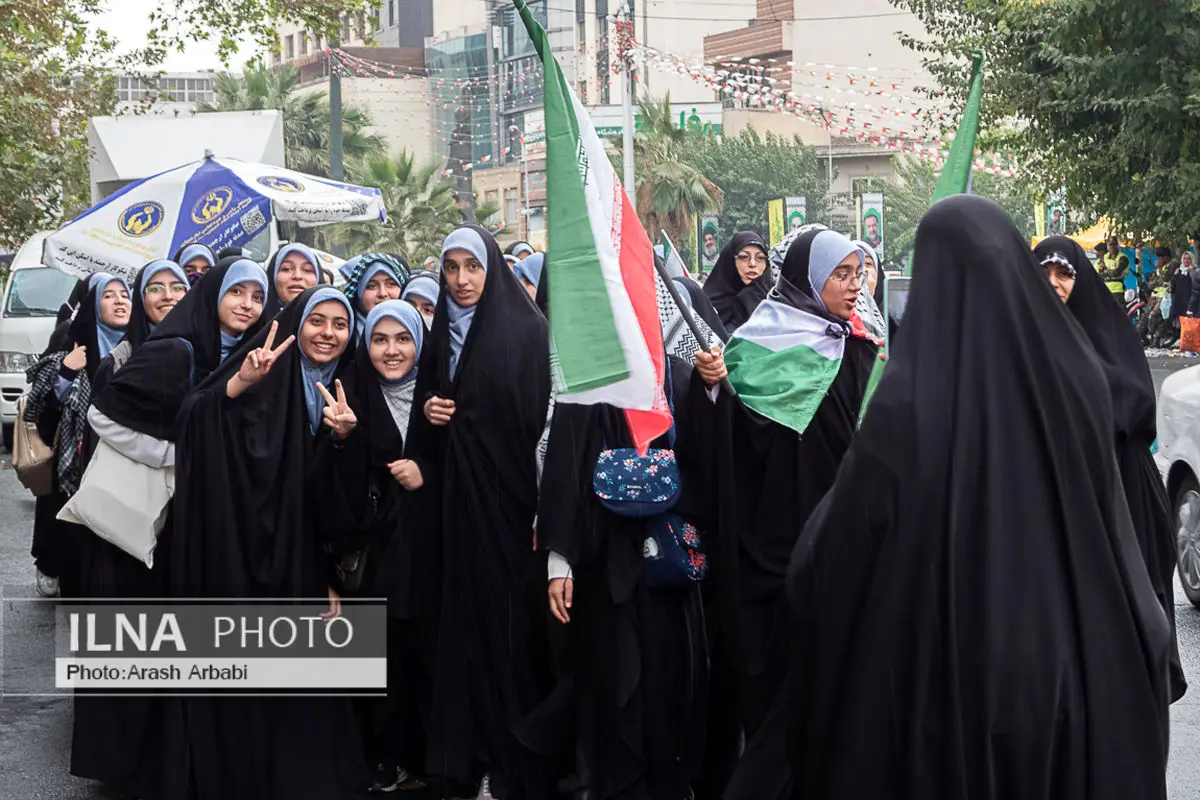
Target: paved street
35	734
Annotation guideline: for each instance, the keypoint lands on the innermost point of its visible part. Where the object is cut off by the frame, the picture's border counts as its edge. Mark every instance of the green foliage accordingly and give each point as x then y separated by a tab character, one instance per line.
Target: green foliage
305	116
752	170
671	190
1103	95
908	195
420	205
52	78
176	22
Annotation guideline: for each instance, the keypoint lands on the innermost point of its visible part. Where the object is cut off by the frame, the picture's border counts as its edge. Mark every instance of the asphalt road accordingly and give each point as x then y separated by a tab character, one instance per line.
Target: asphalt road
35	733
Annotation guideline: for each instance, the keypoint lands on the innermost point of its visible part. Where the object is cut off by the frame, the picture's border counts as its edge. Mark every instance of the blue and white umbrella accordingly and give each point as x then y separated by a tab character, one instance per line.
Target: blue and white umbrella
220	202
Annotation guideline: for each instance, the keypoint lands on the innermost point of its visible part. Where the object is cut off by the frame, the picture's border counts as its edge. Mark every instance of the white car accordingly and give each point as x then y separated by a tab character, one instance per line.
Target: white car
30	303
1178	459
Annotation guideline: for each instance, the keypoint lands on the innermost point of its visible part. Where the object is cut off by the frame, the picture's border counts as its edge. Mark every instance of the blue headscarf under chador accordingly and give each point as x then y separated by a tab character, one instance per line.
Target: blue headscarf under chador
406	315
460	318
107	336
313	373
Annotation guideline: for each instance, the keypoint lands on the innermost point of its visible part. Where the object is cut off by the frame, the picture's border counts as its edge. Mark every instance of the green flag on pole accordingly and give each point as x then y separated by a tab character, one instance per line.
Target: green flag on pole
956	172
955	179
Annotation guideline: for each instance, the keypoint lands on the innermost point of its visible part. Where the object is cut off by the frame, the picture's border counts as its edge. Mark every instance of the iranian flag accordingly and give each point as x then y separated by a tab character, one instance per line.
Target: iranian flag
603	304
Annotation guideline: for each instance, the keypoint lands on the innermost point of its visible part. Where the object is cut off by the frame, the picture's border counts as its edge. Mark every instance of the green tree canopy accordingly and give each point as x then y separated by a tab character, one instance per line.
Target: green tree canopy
751	170
420	205
1102	95
305	116
52	78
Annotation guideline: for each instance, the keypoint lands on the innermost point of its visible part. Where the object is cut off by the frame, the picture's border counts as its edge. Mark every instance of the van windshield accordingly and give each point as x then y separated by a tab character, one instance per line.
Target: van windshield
37	292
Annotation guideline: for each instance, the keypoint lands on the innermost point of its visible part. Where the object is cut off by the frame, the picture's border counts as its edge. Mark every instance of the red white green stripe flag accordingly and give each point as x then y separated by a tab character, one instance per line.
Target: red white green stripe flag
602	298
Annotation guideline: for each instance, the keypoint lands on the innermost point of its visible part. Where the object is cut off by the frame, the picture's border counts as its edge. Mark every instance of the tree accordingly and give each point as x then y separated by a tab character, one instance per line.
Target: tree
752	170
420	205
670	190
176	22
52	78
908	195
305	116
1100	95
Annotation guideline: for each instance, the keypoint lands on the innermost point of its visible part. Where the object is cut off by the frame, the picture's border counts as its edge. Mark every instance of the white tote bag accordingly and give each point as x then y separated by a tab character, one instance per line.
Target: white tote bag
122	501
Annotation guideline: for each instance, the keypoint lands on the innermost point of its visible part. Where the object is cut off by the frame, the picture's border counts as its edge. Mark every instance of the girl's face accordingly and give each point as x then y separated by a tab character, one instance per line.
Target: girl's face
393	350
295	275
465	277
381	287
425	306
162	293
872	275
115	305
1062	280
751	263
840	293
197	266
240	308
325	332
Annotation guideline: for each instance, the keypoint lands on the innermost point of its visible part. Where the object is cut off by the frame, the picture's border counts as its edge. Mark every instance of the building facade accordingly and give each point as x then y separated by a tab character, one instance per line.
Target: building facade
173	94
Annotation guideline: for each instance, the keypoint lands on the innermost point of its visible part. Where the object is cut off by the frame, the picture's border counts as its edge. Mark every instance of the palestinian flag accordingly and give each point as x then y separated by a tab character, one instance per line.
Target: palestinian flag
782	361
603	304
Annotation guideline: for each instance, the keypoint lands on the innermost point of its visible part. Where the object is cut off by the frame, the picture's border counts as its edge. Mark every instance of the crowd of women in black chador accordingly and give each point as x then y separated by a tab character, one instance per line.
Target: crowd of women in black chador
960	589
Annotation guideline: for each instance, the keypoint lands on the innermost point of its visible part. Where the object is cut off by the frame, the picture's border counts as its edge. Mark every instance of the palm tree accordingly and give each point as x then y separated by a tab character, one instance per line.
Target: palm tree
420	205
305	116
670	192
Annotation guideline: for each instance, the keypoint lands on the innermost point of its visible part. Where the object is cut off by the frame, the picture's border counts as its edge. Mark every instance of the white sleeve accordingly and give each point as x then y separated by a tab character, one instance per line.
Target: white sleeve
557	567
713	392
141	447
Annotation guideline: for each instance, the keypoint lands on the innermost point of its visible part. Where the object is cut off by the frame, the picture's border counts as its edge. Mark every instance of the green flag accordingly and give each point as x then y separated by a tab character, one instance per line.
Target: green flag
956	172
955	179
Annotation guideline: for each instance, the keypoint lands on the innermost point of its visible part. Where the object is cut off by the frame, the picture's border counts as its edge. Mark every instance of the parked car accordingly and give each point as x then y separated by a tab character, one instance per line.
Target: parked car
30	302
1178	458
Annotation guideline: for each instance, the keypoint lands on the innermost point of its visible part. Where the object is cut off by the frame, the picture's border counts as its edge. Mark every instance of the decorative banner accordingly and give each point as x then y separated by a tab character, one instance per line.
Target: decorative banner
708	241
871	230
797	212
775	220
1056	214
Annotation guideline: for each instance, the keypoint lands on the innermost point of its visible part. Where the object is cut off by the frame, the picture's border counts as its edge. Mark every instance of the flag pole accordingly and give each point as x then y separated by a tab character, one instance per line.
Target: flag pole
686	310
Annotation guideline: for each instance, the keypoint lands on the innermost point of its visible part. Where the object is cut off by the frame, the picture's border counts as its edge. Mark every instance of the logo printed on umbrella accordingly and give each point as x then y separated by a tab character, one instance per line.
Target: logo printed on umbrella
212	204
141	219
281	184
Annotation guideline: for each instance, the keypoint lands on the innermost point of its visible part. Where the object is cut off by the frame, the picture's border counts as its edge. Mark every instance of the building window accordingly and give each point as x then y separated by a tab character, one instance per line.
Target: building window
317	43
346	28
303	43
361	25
289	48
391	13
510	206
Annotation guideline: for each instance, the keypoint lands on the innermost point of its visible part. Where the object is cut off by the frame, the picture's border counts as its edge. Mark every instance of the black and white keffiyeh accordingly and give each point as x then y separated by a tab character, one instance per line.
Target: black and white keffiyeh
68	447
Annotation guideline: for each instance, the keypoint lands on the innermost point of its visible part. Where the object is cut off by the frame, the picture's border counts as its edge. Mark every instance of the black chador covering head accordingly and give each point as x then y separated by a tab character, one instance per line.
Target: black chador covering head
245	527
491	359
147	393
764	479
971	587
1131	388
732	297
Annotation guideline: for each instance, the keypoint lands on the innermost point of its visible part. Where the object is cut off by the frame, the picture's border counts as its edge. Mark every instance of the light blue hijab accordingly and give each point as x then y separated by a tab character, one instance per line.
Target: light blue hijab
406	315
312	374
106	335
155	267
371	272
196	251
241	271
531	268
459	317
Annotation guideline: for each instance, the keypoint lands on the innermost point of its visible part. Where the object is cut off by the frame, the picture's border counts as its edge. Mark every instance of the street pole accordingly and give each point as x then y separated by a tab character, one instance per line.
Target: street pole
494	92
829	135
627	112
336	168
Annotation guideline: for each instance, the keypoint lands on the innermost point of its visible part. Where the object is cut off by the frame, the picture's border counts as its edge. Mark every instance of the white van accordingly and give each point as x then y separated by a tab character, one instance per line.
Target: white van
30	304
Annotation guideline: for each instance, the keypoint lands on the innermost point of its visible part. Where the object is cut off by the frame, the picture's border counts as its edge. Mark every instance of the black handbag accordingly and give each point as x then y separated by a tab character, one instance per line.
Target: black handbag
352	567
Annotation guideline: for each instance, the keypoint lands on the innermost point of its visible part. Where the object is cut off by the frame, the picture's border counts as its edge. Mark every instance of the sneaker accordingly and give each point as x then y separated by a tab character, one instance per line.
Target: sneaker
46	586
485	789
388	780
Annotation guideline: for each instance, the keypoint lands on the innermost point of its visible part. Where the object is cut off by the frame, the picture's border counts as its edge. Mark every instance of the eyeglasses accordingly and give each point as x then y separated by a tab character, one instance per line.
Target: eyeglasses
158	288
745	258
847	277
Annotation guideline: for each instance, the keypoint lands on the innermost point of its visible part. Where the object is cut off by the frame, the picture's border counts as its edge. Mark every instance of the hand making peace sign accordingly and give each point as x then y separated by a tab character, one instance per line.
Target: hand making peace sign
338	415
258	363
